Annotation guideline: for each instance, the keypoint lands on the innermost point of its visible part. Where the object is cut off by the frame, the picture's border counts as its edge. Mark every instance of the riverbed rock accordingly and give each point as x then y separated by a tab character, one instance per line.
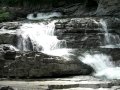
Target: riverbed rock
11	26
8	38
65	83
36	65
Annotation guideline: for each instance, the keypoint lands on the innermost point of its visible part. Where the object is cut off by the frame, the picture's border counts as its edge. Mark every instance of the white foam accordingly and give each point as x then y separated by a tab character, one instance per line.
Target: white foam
42	36
102	65
44	15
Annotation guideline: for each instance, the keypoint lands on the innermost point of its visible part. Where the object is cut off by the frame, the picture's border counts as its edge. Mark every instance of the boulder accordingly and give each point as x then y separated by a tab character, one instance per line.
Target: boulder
36	65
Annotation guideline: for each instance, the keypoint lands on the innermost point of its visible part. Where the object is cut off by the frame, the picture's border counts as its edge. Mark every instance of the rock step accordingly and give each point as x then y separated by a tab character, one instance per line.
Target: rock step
54	85
82	84
70	83
84	89
79	88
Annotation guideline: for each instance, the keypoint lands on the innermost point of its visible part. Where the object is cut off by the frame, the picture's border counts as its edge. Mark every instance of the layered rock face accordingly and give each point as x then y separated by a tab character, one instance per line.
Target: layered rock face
79	32
85	32
36	64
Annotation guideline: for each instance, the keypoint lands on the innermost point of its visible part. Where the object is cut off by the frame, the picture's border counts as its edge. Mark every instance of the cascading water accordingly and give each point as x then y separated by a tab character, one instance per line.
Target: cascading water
110	41
40	37
102	65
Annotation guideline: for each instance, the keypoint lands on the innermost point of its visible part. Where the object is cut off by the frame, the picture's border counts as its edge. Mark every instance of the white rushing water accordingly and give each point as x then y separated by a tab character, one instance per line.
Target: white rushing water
102	65
41	37
44	15
110	40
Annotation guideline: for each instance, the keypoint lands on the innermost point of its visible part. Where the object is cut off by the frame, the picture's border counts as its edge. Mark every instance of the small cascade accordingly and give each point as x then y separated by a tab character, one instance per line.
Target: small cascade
40	37
111	40
39	16
102	65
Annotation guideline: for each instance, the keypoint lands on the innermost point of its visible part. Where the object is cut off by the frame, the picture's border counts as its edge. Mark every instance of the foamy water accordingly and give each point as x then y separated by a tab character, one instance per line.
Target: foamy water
42	39
47	15
41	35
102	65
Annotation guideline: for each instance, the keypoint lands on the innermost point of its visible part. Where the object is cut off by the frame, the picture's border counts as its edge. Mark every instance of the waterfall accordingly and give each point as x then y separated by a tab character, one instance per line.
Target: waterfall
40	37
111	40
102	65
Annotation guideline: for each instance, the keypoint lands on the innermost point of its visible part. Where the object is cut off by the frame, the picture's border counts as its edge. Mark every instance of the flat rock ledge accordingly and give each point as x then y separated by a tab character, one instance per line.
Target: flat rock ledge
69	83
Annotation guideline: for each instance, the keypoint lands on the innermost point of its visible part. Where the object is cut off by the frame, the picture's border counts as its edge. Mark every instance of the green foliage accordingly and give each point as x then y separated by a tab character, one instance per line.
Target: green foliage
4	15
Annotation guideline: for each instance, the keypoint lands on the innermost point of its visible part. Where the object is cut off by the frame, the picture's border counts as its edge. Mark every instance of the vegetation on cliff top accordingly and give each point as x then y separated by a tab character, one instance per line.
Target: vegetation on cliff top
4	16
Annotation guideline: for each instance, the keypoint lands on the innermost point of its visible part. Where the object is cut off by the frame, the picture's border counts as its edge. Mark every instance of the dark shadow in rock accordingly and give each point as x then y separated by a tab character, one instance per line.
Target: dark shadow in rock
91	4
6	88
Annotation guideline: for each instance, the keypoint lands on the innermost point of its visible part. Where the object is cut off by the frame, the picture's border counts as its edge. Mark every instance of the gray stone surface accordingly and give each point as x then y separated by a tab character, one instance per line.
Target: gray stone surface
69	83
85	32
108	7
35	64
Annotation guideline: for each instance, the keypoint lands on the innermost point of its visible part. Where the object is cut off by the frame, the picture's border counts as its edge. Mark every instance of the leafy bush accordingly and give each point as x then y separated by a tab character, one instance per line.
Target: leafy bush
4	16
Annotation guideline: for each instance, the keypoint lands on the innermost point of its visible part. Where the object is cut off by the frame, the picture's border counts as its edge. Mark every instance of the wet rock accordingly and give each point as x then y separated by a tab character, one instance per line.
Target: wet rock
2	63
78	25
7	38
7	52
35	14
11	26
29	45
10	55
85	32
79	32
1	26
7	47
34	65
